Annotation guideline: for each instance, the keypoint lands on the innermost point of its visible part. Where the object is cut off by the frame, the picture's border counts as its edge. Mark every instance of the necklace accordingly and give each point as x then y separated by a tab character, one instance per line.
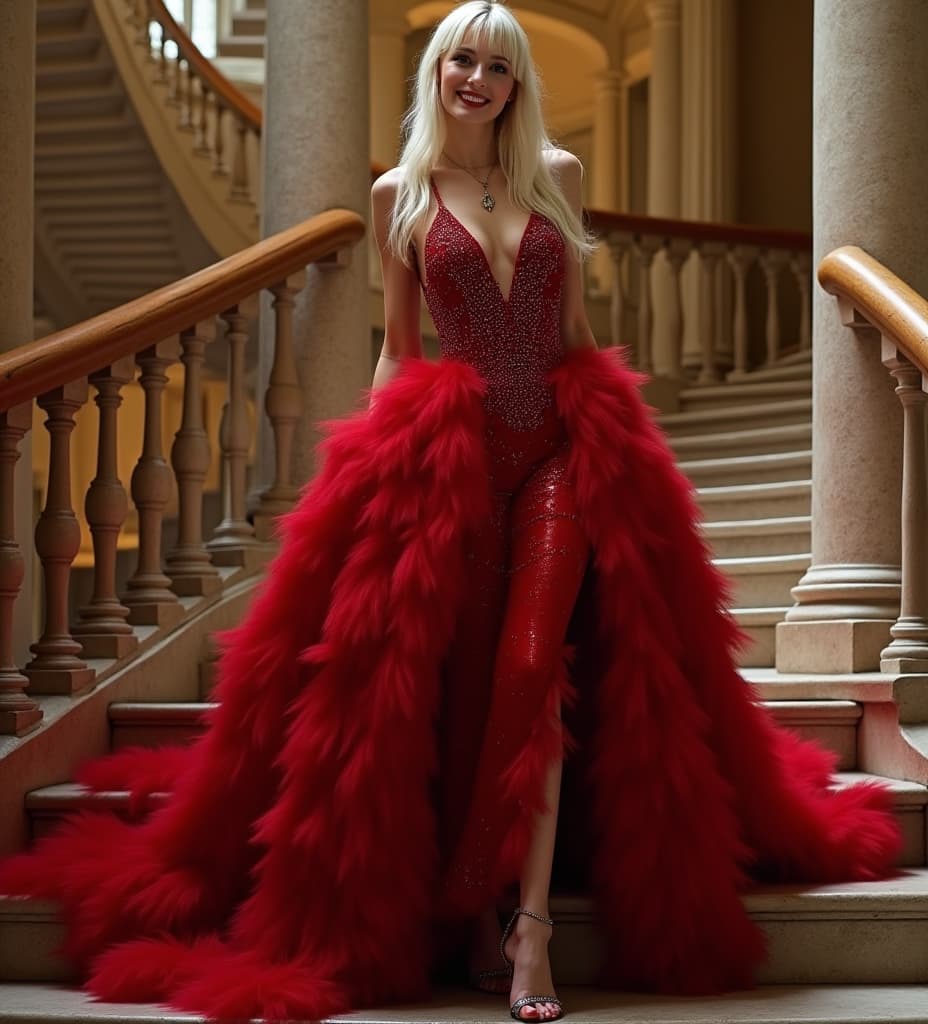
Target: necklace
488	202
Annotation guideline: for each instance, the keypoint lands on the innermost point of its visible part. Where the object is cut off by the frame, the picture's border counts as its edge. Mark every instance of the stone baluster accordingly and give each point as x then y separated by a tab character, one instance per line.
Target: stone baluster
801	266
740	258
188	564
234	538
102	629
201	142
771	262
56	667
175	79
710	254
144	30
619	245
677	251
161	56
150	601
186	117
240	190
283	403
19	714
908	651
645	248
220	170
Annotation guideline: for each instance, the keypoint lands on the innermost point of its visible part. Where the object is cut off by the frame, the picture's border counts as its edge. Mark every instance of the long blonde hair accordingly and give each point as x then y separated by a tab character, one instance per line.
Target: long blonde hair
520	129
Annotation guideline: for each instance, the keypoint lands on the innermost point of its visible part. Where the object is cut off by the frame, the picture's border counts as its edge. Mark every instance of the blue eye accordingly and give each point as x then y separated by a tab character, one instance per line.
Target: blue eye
461	58
501	69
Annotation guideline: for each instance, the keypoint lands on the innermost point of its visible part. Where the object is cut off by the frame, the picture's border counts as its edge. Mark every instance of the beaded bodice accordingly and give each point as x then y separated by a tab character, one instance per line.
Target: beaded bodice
512	341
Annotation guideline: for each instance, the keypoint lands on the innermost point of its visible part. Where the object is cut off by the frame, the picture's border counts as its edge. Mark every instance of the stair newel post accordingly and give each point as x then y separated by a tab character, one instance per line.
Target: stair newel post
56	667
678	251
710	256
801	266
219	164
240	190
645	248
283	403
201	143
150	601
102	629
619	244
188	564
19	714
908	651
771	262
740	259
234	537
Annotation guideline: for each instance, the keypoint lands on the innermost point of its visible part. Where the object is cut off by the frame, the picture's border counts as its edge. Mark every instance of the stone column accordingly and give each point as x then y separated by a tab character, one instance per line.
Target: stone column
387	87
707	189
608	185
870	151
316	156
17	144
664	119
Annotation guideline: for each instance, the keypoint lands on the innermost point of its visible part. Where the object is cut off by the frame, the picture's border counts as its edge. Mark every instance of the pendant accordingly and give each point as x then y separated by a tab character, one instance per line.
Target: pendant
488	202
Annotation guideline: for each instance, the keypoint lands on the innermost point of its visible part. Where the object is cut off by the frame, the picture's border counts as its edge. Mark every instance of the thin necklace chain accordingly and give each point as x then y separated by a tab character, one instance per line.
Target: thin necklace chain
488	202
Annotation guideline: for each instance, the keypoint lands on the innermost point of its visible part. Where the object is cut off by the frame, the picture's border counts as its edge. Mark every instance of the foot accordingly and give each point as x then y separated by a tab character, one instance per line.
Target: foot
487	970
527	948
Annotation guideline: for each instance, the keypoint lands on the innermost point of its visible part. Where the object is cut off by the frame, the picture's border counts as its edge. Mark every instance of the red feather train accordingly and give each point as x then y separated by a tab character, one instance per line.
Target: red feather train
294	872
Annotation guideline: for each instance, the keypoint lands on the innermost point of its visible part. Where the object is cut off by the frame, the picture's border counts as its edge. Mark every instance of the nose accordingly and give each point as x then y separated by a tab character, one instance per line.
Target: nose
476	76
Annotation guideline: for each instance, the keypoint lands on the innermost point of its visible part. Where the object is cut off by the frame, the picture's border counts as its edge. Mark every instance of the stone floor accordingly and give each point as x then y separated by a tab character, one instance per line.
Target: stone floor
783	1004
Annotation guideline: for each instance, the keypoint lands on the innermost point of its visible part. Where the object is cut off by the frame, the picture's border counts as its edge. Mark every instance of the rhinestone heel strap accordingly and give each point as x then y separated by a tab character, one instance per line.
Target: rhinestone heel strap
526	1000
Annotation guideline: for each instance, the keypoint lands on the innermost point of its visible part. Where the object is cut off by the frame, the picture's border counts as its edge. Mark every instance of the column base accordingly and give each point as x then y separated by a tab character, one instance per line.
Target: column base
846	645
67	682
106	645
19	723
160	613
196	585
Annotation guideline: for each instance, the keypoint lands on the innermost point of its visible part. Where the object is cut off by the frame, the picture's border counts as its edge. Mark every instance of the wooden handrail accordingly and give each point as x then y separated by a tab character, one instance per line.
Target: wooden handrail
605	221
230	96
885	300
68	355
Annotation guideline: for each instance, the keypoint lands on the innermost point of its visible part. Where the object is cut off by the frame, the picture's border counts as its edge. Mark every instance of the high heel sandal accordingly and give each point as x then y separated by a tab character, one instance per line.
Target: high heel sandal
484	980
526	1000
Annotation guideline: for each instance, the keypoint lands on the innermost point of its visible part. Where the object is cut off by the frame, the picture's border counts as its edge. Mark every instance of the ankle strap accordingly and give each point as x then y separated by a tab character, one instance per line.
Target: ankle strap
531	913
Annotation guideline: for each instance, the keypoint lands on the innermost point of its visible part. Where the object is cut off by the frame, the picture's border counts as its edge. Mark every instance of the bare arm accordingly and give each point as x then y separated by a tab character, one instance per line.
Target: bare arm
402	335
575	326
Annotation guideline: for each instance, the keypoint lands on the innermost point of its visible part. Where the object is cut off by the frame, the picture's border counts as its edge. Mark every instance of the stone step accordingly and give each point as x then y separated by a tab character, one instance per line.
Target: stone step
854	933
241	46
723	395
756	441
741	416
58	43
761	581
78	73
749	469
742	502
760	626
60	15
249	23
768	1004
786	535
798	371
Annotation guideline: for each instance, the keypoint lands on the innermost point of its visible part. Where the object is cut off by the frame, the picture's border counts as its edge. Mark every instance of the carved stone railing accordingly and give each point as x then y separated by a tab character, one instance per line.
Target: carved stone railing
724	255
101	355
873	301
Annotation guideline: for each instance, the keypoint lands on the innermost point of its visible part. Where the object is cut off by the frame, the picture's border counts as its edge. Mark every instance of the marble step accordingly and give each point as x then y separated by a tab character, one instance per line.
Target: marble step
768	1004
776	467
760	626
855	933
761	581
724	395
742	416
241	46
785	535
755	441
741	502
780	371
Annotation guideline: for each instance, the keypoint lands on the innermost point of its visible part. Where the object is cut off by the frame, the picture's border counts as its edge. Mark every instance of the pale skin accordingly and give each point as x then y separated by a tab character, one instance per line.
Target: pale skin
472	73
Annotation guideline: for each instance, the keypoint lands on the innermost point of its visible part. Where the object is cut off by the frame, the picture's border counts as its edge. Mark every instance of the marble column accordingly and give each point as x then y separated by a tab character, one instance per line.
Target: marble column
664	136
387	87
17	144
316	156
707	188
870	151
608	185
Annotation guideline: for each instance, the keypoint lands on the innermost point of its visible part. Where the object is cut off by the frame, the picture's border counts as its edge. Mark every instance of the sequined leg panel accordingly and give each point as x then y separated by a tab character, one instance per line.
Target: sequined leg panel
548	554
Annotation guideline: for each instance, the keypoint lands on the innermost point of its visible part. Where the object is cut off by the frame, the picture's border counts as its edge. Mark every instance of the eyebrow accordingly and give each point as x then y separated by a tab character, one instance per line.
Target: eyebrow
467	49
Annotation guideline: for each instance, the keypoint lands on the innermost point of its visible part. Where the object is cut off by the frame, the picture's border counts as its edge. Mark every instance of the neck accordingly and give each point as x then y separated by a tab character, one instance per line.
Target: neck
471	145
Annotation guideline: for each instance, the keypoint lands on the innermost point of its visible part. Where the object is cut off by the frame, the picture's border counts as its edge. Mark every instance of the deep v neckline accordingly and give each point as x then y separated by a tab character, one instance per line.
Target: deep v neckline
506	299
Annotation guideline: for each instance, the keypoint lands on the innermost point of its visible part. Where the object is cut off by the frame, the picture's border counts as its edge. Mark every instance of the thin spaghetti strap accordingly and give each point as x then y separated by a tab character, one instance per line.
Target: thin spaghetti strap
435	190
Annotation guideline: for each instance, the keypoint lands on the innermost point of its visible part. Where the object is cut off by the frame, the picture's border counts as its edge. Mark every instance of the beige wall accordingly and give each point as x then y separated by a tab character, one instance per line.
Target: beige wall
775	113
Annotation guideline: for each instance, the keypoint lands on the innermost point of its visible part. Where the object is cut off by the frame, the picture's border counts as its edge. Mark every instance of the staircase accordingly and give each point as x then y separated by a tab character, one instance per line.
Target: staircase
246	38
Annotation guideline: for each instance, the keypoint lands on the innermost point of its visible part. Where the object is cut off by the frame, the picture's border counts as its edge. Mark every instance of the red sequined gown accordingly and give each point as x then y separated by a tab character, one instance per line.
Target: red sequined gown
526	565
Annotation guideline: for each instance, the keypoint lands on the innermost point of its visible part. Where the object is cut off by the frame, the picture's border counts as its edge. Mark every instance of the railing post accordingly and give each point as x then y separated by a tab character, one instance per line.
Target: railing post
283	403
619	244
801	266
219	164
645	248
240	189
188	564
772	261
710	254
908	651
19	714
150	601
678	252
740	259
56	667
102	629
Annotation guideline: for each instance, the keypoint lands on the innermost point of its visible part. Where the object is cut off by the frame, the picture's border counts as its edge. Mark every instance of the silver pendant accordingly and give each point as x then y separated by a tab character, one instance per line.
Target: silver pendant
488	201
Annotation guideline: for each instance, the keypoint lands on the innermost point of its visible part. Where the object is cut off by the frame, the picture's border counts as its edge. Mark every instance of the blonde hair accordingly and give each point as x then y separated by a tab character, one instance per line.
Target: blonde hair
520	129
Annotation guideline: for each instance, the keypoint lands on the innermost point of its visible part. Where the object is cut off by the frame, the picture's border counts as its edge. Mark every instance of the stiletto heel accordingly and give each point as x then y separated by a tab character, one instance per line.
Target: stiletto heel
526	1000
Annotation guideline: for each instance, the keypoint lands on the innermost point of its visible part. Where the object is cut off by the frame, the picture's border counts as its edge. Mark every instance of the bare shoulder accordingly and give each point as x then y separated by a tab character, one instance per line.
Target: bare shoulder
563	165
384	189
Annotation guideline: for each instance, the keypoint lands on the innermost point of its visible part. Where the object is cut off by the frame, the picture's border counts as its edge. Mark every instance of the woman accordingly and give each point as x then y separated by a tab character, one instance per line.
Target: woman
384	760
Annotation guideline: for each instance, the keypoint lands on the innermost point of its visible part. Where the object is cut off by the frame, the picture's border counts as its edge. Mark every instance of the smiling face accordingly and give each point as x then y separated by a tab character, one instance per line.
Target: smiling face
475	81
